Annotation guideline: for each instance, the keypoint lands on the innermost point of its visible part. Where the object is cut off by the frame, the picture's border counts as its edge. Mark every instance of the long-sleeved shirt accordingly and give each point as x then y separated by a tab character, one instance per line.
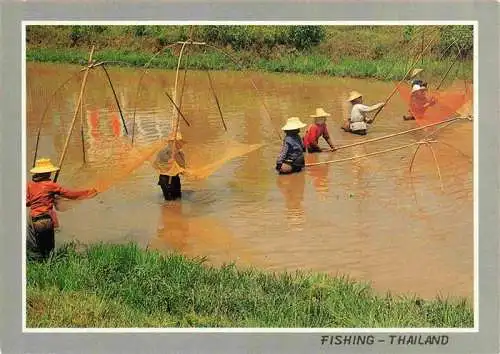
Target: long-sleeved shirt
313	134
40	196
419	104
292	149
358	115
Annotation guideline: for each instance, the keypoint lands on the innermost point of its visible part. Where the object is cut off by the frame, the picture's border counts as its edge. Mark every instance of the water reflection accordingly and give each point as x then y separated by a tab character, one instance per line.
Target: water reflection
292	188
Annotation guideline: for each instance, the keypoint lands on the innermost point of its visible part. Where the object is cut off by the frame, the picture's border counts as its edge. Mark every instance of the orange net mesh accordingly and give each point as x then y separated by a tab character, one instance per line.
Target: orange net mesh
443	104
200	161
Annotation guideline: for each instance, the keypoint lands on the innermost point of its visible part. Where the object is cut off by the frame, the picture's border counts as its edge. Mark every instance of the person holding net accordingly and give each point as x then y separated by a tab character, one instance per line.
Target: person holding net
358	121
170	167
317	130
419	102
291	157
41	195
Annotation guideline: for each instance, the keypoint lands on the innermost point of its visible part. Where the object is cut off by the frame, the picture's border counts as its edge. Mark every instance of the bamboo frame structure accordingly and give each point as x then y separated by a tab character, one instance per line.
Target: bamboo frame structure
78	105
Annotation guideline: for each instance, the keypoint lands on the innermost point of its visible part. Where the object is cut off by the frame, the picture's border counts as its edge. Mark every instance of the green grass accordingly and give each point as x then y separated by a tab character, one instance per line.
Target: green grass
381	52
381	69
123	286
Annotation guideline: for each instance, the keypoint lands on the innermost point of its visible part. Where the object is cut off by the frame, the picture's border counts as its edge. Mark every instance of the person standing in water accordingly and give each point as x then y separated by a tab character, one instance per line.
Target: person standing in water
419	102
291	157
170	167
358	121
317	130
41	194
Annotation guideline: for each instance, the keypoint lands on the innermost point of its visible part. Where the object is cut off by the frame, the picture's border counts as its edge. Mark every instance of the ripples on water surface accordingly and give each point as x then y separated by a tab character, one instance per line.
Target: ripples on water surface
368	218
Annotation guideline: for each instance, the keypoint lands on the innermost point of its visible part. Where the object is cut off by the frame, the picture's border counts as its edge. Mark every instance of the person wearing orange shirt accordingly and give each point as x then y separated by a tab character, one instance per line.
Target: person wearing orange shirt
41	194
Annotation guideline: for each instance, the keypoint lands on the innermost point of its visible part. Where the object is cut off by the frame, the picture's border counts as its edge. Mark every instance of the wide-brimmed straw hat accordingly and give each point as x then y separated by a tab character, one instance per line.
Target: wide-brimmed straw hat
416	88
177	137
293	123
320	113
415	72
43	166
353	95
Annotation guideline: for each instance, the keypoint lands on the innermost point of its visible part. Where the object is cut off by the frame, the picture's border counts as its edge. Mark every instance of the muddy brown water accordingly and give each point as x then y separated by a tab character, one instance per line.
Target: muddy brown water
369	218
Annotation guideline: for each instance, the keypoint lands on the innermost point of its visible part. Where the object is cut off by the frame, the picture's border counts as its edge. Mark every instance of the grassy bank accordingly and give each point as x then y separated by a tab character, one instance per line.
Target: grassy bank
123	286
381	52
381	69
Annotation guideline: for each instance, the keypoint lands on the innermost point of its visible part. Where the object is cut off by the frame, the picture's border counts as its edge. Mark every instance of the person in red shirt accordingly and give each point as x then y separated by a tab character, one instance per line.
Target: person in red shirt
317	130
41	194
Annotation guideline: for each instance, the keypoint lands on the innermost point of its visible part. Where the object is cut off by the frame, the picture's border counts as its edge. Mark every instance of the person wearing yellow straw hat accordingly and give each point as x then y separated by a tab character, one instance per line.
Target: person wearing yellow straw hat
170	167
317	130
414	77
41	194
357	123
291	157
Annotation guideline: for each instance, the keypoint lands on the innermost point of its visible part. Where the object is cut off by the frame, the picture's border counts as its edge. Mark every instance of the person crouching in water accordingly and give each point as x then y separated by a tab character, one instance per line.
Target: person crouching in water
358	121
291	157
170	167
41	195
317	130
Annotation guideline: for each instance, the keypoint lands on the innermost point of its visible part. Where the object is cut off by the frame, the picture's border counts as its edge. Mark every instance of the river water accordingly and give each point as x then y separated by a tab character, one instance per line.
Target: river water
368	218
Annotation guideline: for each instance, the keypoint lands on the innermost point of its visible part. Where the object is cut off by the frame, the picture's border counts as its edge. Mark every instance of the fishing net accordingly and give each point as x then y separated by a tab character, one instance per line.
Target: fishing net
445	104
199	161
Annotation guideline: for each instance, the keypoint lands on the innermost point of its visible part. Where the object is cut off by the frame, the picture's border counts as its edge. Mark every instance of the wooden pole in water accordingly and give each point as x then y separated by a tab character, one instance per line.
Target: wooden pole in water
396	134
116	98
216	99
403	79
66	144
82	122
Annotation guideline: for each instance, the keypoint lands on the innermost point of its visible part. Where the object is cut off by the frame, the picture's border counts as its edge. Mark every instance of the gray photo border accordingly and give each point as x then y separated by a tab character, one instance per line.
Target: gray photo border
13	340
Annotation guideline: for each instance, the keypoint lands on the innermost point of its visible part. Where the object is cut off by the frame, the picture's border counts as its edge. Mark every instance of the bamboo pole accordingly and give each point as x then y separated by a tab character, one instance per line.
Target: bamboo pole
396	134
216	99
66	144
82	122
437	165
404	78
447	72
362	156
116	98
40	124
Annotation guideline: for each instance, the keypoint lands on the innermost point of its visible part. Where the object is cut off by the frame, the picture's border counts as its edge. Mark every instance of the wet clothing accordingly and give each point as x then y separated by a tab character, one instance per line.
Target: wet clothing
312	135
40	197
292	153
358	120
40	240
170	186
169	179
419	104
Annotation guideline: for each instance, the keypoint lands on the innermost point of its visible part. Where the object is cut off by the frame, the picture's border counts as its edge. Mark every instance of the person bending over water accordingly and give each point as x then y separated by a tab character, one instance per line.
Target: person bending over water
317	130
41	194
357	123
291	157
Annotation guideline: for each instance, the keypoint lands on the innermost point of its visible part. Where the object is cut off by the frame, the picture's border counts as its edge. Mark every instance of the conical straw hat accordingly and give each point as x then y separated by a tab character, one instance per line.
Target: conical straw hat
320	113
415	72
353	95
416	88
43	166
293	123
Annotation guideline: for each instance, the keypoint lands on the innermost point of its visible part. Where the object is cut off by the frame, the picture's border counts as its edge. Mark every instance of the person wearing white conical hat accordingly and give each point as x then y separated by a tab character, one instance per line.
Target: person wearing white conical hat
291	157
419	102
41	194
357	122
170	168
317	130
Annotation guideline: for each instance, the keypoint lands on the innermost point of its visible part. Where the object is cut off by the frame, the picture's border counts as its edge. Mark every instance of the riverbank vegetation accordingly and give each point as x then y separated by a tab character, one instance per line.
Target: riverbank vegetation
105	285
382	52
